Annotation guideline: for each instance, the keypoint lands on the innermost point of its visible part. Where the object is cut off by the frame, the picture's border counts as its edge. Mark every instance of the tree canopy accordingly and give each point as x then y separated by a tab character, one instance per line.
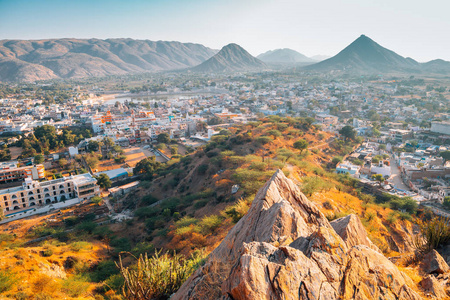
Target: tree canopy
348	132
301	145
104	181
146	166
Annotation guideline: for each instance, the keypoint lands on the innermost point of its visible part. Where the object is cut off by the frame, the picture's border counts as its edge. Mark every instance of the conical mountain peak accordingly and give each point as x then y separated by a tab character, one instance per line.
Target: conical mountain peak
364	55
230	58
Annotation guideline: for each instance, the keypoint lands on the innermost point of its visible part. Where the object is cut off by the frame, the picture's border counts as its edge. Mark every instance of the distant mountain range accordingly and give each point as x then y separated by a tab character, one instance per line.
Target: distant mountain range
284	56
231	58
366	56
320	57
75	58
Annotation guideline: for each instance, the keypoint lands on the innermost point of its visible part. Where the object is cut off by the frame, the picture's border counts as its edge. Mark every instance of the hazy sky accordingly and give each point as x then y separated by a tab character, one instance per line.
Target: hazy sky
418	29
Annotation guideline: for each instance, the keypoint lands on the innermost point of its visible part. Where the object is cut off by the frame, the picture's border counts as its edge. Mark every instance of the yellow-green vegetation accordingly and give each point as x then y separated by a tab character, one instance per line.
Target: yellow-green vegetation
196	212
433	233
158	276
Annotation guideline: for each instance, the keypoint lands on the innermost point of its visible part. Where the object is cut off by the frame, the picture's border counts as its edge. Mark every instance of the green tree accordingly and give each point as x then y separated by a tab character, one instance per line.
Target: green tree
97	200
39	159
378	177
63	163
93	146
108	143
163	138
173	150
92	161
336	160
348	132
147	166
103	181
301	145
446	202
68	137
445	155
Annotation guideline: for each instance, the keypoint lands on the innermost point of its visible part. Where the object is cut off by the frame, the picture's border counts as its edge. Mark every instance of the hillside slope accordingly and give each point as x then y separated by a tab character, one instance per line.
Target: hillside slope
29	60
366	56
231	58
284	56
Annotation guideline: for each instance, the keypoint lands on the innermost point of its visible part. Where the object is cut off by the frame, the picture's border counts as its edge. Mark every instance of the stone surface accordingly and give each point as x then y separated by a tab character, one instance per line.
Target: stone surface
352	231
433	263
285	248
433	287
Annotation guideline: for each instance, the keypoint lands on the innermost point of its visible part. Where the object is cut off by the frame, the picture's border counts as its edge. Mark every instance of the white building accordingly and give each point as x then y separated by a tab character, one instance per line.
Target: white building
440	127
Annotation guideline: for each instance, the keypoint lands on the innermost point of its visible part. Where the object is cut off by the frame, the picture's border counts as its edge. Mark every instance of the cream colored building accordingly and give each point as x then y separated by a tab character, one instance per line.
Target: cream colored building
34	193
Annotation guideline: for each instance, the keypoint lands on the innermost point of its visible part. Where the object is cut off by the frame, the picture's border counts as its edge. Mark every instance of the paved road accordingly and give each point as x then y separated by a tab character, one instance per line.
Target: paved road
396	179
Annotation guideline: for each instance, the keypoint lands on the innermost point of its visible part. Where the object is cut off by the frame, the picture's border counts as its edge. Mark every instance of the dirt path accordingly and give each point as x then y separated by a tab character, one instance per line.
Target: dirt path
322	145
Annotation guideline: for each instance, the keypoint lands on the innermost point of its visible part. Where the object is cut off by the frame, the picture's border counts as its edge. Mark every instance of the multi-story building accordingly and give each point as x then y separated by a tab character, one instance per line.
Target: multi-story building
348	167
9	171
326	119
34	193
440	127
400	135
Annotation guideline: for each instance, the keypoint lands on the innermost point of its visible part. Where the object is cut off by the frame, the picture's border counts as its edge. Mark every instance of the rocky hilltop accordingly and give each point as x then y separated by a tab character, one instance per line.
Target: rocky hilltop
32	60
285	248
231	58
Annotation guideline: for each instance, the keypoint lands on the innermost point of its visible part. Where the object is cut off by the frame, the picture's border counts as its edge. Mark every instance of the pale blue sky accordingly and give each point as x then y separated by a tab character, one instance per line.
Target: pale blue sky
418	29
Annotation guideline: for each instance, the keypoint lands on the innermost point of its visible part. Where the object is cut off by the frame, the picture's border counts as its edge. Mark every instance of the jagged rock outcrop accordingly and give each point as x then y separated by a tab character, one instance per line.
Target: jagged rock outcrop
433	263
285	248
352	231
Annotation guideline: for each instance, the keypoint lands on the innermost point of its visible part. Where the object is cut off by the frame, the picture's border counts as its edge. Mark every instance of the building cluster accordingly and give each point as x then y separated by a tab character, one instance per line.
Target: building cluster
405	124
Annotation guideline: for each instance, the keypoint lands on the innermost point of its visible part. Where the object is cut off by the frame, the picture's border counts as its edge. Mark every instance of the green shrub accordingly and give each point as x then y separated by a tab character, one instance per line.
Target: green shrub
148	200
239	209
186	221
47	253
146	212
210	223
200	203
274	133
102	232
104	270
327	205
392	217
7	280
45	230
80	245
86	226
115	283
261	140
121	244
157	277
408	204
432	234
71	221
314	184
142	248
259	166
201	170
75	286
